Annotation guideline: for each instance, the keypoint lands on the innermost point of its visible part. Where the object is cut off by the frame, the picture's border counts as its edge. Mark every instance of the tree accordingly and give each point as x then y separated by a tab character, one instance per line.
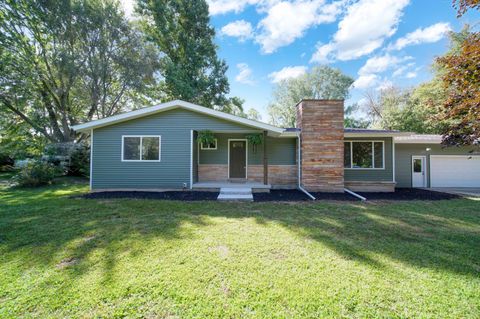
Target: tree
253	114
233	106
68	61
352	122
463	5
461	79
322	82
409	110
190	66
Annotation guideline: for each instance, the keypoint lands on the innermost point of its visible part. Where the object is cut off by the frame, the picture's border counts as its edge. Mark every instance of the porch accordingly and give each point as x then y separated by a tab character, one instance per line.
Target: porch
232	161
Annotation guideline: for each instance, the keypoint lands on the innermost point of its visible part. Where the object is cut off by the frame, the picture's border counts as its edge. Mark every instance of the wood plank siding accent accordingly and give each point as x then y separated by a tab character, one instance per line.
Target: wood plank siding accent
321	122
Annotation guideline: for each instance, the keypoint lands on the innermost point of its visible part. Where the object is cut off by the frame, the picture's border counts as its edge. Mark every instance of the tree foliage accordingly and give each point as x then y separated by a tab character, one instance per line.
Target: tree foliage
352	121
462	6
190	66
409	110
461	79
68	61
322	82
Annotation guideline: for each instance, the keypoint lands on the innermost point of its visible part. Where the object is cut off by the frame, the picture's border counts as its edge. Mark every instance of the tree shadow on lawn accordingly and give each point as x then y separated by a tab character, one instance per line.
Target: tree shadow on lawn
442	235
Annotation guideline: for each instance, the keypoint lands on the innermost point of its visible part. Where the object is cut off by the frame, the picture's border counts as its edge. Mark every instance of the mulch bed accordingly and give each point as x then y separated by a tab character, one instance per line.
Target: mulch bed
293	195
277	195
400	194
169	195
409	194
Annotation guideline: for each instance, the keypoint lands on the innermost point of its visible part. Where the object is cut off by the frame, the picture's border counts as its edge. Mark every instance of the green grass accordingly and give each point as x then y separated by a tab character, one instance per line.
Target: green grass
71	257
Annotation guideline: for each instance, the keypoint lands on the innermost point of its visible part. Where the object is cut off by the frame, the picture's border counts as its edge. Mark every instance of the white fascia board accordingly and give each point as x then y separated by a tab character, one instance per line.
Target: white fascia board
171	105
379	134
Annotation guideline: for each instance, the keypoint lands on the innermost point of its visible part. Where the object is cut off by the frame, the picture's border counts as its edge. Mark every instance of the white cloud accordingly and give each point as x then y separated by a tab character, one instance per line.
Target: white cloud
401	70
379	64
323	53
366	81
362	30
411	75
240	29
430	34
224	6
287	21
287	73
386	84
244	75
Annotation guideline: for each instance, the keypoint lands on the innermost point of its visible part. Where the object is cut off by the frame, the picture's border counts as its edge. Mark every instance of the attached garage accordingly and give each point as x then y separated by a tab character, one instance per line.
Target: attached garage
421	161
454	171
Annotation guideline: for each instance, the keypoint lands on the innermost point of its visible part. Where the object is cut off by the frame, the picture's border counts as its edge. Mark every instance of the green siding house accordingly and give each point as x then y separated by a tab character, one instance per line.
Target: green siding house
156	148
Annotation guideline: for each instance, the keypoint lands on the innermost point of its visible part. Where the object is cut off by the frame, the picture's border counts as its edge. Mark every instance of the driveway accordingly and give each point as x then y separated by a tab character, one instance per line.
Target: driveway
462	191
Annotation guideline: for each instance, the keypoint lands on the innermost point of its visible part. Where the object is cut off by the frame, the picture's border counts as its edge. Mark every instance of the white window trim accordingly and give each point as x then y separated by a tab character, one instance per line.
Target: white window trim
141	144
373	155
208	148
246	155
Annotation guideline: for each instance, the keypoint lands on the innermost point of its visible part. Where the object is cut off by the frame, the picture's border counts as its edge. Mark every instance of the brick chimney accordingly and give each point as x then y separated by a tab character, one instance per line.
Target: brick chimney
321	124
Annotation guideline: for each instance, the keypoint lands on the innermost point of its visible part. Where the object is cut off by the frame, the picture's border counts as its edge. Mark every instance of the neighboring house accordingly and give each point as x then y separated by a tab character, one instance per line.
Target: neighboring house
156	148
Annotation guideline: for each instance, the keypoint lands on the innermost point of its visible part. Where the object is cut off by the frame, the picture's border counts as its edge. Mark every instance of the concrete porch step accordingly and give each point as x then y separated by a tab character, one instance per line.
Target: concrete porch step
235	194
236	190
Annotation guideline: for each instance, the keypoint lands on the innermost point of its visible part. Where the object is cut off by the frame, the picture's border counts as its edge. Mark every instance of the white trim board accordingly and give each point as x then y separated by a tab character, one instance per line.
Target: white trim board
85	127
246	155
191	159
91	159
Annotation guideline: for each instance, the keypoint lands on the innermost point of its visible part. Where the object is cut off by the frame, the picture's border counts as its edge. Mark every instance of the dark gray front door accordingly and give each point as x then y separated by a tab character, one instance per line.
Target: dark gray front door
238	164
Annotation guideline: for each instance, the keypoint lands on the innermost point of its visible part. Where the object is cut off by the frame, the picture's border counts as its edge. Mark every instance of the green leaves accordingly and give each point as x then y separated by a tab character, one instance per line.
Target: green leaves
322	82
65	62
190	66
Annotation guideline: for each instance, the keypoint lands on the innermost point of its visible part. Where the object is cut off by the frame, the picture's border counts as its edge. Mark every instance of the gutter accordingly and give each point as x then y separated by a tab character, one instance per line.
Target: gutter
299	166
354	194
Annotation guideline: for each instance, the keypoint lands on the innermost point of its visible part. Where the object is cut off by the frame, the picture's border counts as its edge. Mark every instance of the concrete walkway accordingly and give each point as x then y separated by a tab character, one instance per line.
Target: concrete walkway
462	191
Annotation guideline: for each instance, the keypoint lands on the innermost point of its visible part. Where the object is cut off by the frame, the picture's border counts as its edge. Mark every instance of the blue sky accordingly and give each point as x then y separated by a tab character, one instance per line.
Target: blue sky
377	42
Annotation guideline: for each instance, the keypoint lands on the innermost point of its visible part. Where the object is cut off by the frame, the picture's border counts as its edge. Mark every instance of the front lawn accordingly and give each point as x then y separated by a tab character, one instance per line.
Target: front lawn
73	257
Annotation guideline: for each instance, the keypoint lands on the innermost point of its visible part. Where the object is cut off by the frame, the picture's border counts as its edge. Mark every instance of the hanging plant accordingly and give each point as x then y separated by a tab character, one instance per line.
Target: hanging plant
254	140
206	137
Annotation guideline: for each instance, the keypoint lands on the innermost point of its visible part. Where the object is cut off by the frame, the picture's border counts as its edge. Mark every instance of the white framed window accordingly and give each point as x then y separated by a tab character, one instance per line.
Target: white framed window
364	155
141	148
209	146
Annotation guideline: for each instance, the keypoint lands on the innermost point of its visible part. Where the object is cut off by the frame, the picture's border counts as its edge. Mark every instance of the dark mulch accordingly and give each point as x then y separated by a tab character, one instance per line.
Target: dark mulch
399	194
277	195
169	195
293	195
409	194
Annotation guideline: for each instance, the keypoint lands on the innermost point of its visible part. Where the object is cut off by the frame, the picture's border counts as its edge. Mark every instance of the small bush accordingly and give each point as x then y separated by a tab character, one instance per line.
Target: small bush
79	161
35	173
71	158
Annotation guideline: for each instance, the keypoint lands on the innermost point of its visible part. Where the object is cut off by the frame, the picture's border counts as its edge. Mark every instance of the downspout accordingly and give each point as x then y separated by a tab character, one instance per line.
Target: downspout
355	194
299	166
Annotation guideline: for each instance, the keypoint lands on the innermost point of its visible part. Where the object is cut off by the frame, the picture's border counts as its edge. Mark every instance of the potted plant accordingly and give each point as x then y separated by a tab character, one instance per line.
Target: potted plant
254	140
205	137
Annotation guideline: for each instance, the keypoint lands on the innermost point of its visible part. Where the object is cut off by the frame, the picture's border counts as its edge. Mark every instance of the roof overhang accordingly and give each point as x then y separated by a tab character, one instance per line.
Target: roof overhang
375	134
87	127
419	139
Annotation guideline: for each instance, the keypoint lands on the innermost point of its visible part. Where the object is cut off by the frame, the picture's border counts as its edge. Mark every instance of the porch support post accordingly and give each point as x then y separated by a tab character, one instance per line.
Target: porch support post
265	159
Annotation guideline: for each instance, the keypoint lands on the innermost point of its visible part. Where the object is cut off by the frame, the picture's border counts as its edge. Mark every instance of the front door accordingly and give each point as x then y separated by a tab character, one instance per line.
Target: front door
237	159
419	171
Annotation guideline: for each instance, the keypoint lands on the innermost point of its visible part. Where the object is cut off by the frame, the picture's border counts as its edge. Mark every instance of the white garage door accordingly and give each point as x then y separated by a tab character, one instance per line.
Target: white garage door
454	171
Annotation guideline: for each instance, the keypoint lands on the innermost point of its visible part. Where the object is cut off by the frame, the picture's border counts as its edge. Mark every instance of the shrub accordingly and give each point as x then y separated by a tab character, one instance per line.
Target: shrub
35	173
79	164
71	158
